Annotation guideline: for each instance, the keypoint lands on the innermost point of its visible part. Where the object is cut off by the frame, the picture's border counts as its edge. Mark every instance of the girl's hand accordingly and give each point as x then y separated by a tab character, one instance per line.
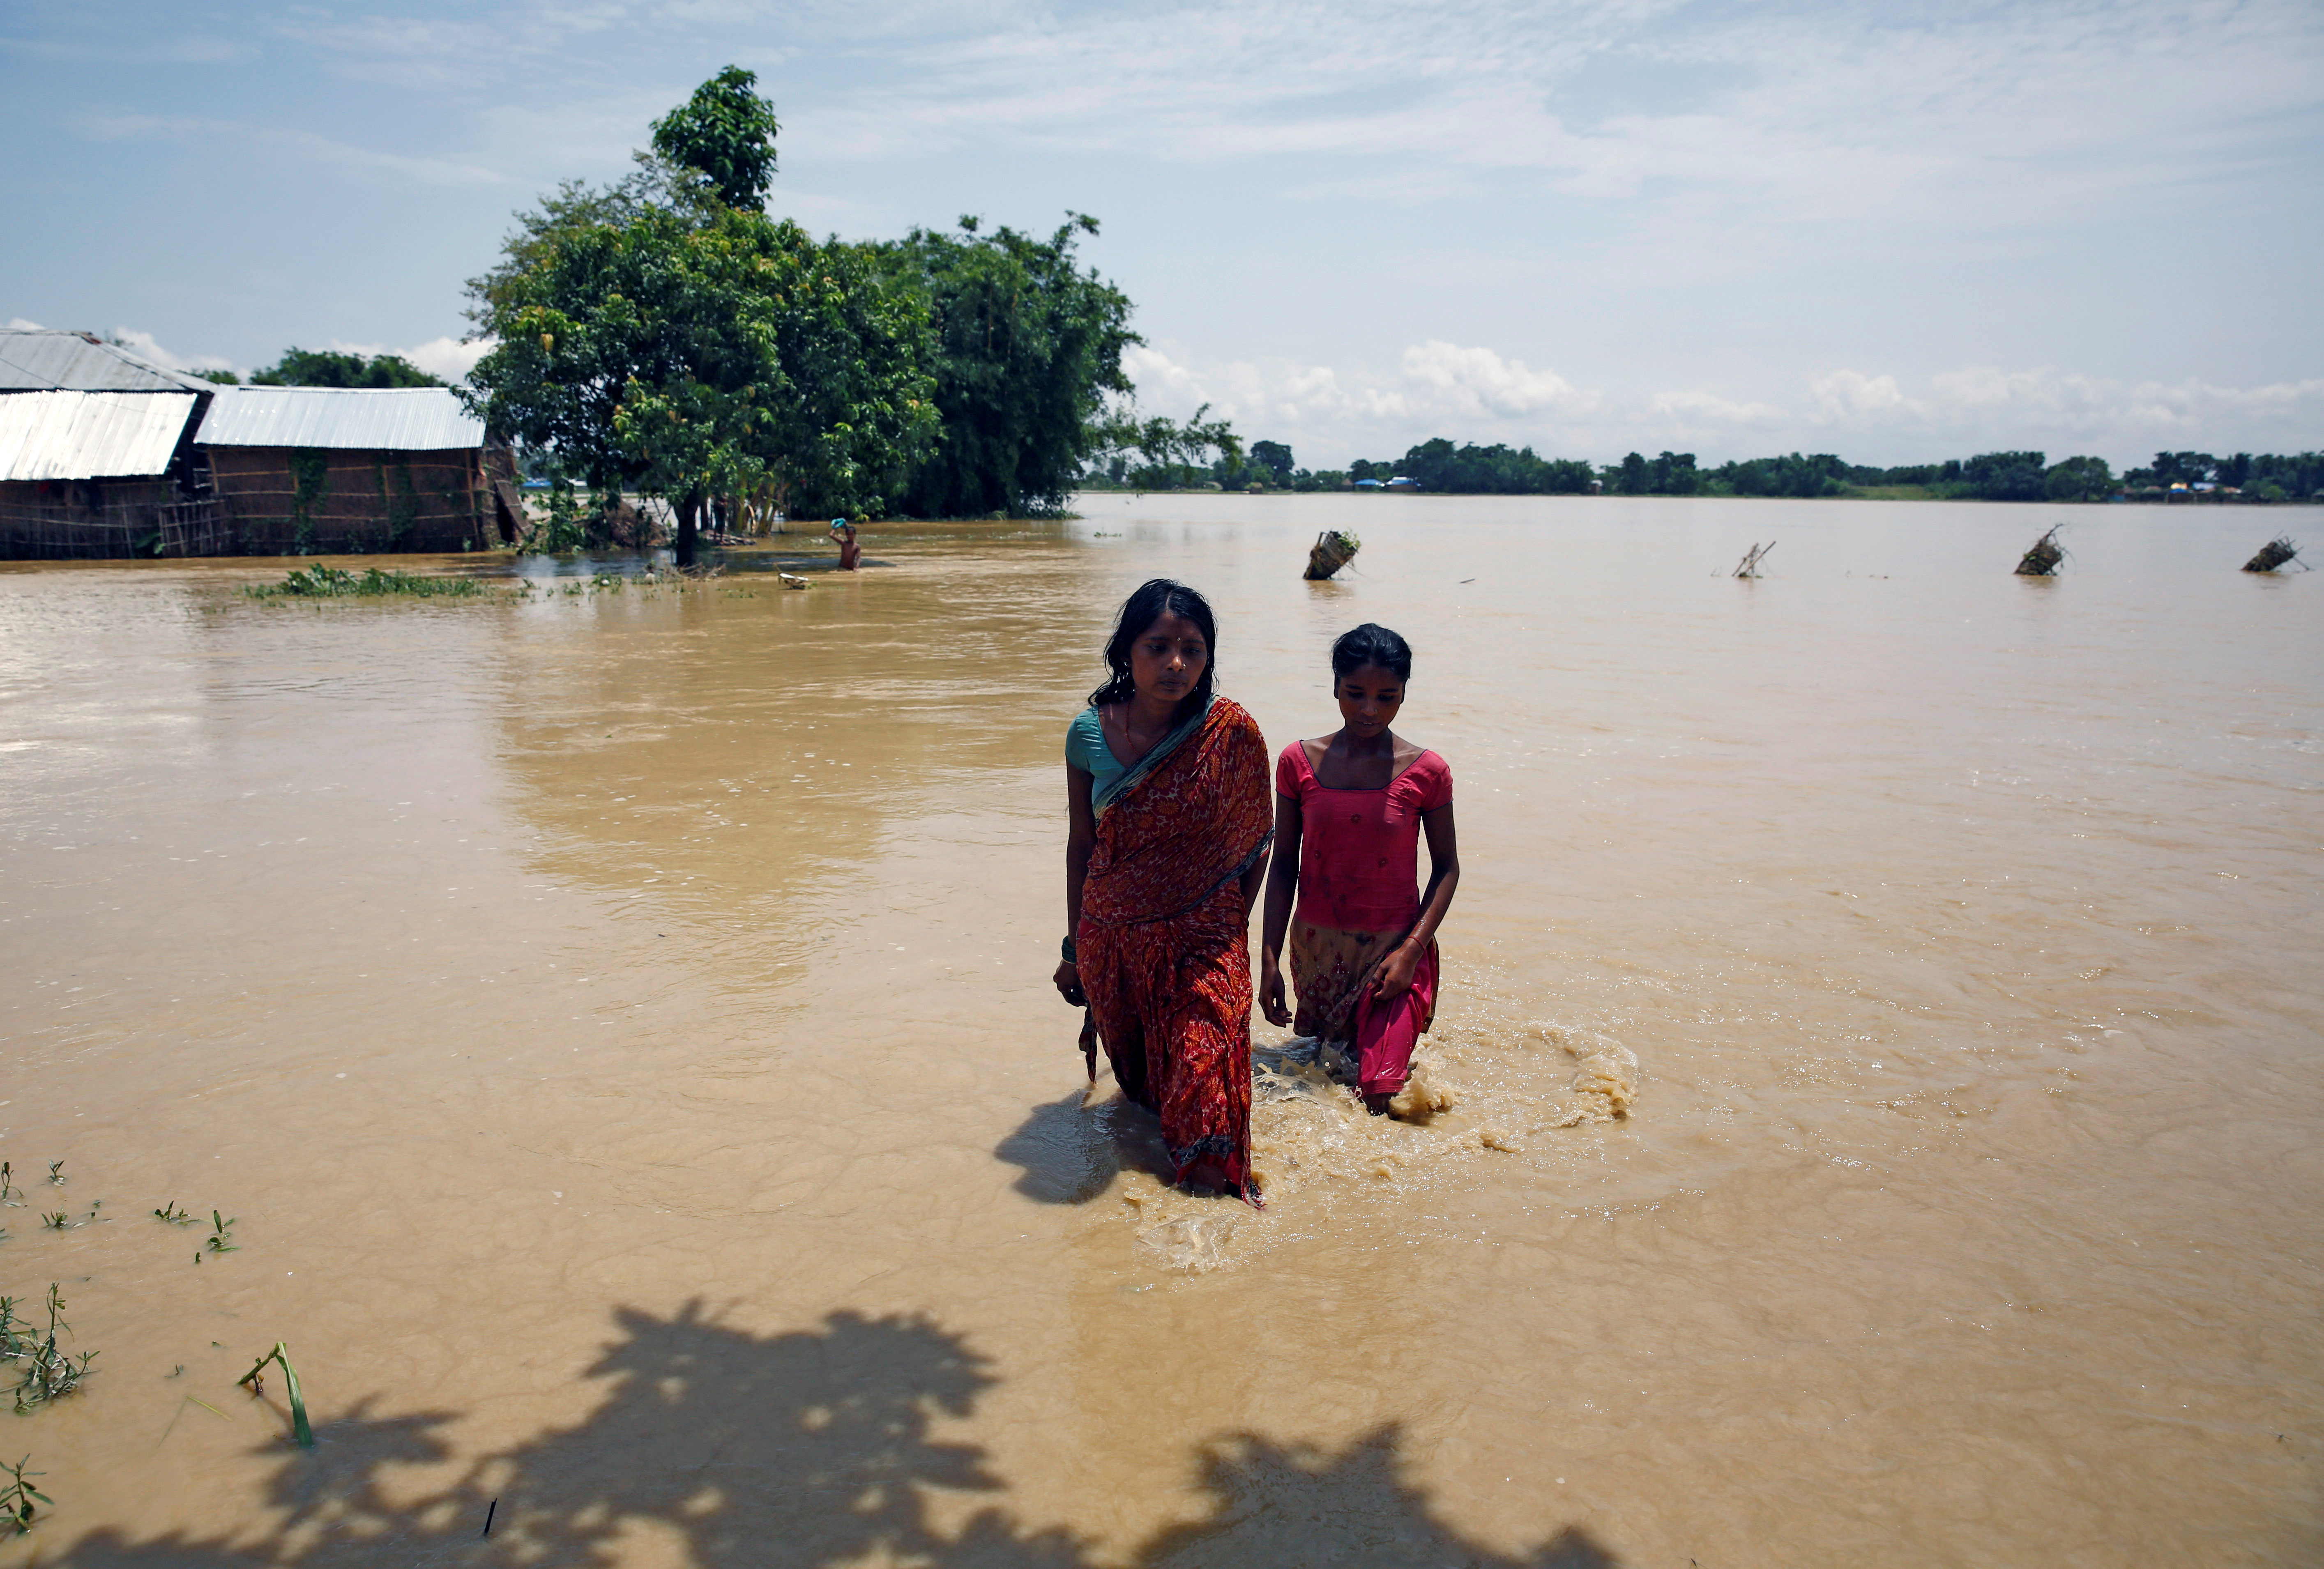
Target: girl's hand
1270	993
1394	977
1068	982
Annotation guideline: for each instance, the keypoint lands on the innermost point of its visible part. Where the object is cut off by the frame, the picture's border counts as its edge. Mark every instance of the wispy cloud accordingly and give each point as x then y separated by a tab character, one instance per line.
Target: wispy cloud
472	51
1856	101
308	146
1616	220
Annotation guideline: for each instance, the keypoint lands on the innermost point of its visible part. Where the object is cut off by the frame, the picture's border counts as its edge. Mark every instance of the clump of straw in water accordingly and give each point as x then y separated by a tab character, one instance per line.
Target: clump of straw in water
1334	549
2277	552
2041	560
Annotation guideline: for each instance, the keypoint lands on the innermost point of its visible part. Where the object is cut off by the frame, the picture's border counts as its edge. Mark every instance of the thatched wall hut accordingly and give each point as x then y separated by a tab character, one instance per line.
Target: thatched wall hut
326	471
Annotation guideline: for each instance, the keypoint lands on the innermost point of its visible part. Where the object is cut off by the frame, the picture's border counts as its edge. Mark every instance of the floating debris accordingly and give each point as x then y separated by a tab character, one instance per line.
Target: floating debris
1750	566
2043	560
1334	549
2277	552
793	580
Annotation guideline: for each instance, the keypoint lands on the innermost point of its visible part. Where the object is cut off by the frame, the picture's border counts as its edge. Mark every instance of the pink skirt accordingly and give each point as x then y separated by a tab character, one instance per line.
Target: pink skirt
1332	971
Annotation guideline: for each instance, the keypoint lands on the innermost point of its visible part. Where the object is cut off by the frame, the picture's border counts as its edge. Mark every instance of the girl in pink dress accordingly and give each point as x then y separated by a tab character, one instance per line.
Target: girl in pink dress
1349	813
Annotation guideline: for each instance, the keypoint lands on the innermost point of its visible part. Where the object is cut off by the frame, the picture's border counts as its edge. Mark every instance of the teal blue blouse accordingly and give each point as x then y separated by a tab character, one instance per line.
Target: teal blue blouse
1086	750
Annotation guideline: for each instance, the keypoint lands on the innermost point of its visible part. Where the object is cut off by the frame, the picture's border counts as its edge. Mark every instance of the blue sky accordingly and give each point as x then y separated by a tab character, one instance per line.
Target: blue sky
1892	231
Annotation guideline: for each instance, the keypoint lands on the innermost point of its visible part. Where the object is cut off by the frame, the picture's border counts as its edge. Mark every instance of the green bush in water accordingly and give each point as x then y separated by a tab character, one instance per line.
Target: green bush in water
338	583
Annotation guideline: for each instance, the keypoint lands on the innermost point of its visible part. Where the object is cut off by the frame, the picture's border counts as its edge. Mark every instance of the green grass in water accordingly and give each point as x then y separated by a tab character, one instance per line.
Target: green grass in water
338	583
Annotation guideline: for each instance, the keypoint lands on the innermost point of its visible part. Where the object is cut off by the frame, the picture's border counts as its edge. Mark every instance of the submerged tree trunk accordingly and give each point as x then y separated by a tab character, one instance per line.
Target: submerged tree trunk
689	524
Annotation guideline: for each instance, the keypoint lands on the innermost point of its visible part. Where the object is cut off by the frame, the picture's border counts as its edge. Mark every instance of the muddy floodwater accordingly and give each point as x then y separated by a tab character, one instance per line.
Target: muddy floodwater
616	1024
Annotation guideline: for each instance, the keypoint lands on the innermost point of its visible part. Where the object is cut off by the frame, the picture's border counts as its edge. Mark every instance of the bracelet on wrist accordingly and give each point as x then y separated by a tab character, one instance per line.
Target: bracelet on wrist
1069	949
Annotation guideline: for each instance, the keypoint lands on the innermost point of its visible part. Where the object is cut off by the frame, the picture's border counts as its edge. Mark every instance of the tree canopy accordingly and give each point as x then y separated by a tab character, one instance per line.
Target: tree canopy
1161	454
726	130
655	335
710	355
664	334
314	368
1023	348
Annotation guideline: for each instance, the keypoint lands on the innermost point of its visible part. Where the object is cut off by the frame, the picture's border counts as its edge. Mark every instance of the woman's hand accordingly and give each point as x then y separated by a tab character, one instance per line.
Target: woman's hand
1394	977
1271	993
1068	982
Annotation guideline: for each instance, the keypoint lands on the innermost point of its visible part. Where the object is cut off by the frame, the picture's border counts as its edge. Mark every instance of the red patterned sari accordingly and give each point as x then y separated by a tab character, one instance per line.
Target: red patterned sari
1163	948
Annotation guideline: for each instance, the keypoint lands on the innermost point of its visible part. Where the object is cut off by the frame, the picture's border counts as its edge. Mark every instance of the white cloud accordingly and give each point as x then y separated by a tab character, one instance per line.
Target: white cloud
144	345
446	358
1854	392
1438	387
1686	410
1478	383
1475	394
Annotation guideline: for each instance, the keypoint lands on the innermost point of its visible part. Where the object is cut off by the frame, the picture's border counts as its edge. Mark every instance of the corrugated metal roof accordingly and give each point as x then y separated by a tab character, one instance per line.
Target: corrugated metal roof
38	361
89	435
392	419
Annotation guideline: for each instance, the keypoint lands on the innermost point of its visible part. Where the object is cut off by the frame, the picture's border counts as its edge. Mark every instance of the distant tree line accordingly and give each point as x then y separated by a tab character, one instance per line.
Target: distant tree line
1500	470
318	367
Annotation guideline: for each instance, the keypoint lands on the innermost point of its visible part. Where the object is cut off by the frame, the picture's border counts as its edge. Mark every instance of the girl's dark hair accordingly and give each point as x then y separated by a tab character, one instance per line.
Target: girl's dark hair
1372	644
1158	597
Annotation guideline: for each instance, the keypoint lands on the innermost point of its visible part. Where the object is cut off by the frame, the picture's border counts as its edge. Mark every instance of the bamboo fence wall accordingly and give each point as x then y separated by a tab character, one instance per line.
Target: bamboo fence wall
302	500
86	520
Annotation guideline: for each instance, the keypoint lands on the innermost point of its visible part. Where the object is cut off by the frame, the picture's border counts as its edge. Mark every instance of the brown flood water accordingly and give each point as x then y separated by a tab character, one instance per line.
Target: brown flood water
620	1027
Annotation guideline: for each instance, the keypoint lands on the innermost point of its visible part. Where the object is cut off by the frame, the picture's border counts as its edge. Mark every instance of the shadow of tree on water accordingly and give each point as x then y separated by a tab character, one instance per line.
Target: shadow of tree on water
723	1449
1281	1504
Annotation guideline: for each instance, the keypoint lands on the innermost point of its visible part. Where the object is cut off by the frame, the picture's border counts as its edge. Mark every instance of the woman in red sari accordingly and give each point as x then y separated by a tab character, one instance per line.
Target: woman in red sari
1166	793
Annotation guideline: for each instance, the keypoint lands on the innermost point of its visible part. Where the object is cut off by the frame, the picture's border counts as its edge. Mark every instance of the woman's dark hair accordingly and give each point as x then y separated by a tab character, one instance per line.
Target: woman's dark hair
1155	598
1372	644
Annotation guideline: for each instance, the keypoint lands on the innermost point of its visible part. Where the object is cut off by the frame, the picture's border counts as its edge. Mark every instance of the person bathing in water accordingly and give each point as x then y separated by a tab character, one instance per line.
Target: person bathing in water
1348	812
851	553
1168	827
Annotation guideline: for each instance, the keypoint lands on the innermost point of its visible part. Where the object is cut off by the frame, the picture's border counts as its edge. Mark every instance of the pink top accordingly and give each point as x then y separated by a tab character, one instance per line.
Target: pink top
1360	850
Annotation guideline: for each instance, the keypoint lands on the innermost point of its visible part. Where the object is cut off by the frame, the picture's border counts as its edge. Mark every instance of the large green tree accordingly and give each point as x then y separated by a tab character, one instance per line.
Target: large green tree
1023	346
655	335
